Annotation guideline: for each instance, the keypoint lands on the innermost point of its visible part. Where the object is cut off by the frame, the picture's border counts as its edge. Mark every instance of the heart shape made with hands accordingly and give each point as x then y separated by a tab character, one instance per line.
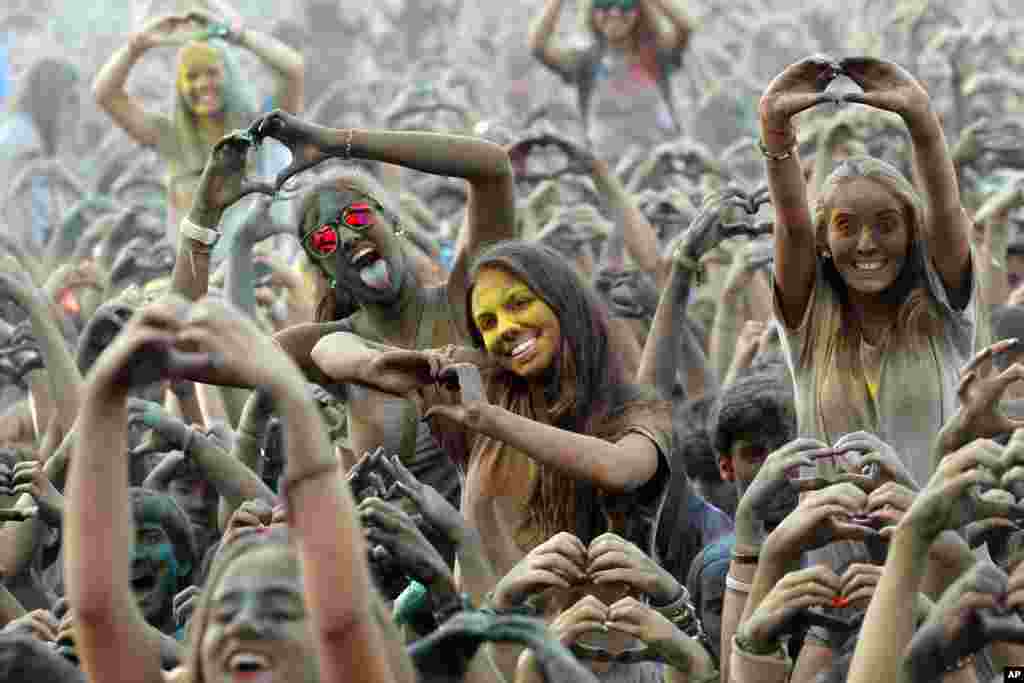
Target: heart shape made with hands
547	156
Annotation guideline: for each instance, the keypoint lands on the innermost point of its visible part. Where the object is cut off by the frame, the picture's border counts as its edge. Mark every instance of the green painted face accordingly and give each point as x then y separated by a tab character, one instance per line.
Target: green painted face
258	625
155	571
351	239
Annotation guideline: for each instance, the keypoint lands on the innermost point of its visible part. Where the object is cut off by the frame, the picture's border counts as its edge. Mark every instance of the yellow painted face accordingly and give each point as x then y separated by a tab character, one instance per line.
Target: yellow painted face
518	327
201	78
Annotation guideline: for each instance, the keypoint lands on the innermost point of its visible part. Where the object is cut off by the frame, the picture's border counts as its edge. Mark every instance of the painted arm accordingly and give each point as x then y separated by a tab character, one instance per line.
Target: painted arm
671	346
108	86
287	63
677	37
541	39
64	378
796	89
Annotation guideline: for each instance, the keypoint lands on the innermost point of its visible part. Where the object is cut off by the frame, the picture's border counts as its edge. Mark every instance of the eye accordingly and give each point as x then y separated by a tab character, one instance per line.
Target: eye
518	303
486	322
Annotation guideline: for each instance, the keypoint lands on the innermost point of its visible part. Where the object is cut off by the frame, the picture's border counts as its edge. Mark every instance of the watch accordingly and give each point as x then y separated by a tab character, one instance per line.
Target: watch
208	238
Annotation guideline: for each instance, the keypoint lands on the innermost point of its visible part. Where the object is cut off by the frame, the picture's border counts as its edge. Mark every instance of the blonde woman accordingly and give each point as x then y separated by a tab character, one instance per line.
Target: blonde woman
210	97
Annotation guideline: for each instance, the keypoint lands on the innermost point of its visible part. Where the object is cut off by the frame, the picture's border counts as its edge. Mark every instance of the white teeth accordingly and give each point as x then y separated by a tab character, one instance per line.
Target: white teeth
525	346
248	661
874	265
361	253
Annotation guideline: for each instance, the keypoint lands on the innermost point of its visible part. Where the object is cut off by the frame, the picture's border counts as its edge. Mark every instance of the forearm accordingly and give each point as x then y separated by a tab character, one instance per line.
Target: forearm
676	15
18	541
662	356
543	27
698	379
10	608
191	275
239	284
589	458
733	606
234	481
640	238
476	577
64	378
110	81
323	516
888	625
946	220
995	287
725	331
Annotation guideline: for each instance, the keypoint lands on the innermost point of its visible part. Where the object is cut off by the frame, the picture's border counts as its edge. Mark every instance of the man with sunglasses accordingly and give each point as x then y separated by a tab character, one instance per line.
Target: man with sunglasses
356	242
622	76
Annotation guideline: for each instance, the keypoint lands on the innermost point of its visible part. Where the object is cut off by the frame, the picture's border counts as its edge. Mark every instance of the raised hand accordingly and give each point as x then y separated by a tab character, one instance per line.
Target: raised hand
887	86
39	624
223	181
306	141
612	559
29	478
388	526
161	31
709	228
586	616
560	561
772	494
799	87
577	159
797	591
434	508
888	465
822	517
249	517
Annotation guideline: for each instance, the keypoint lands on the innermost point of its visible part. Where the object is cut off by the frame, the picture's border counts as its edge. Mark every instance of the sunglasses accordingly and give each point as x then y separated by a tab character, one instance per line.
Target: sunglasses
605	5
323	241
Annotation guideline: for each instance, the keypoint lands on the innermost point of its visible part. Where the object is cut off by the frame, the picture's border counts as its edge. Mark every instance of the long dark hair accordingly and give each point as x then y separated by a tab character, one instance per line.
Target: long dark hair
600	376
41	94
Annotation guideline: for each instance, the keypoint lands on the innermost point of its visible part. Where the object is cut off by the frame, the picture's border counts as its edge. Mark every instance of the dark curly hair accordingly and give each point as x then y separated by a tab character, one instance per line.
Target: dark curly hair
758	405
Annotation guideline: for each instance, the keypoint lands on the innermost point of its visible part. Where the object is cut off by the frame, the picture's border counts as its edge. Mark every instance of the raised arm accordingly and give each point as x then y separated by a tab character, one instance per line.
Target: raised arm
490	212
675	35
320	508
64	378
889	87
108	87
801	86
286	63
541	40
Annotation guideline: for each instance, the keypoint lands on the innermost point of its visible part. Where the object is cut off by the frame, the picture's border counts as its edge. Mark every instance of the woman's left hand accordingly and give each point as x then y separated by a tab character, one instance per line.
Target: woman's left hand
887	86
614	559
629	615
469	414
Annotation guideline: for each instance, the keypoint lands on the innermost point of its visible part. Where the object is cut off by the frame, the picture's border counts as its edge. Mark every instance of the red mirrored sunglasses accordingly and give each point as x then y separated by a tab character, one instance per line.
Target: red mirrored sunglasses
323	241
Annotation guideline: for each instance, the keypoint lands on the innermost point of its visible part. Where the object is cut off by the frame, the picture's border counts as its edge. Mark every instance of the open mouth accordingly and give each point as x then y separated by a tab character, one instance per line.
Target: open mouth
523	348
869	266
248	663
373	269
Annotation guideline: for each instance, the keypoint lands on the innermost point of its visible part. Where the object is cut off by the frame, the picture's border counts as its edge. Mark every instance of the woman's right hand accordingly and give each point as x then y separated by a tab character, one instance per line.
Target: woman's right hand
799	87
306	141
796	591
160	31
560	561
223	181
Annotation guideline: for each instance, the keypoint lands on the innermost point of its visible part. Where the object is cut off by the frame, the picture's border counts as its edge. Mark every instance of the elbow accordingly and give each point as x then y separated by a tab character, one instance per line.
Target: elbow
101	94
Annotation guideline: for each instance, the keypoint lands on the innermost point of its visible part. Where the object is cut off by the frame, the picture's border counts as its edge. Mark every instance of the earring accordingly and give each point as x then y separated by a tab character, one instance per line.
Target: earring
826	254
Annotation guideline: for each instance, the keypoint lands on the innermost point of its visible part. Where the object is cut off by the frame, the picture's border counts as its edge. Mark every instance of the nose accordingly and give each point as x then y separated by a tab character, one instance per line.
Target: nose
507	328
247	623
866	241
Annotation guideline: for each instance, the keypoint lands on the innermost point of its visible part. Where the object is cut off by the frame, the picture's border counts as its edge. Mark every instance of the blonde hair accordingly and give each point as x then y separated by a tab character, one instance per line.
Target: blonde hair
240	107
918	314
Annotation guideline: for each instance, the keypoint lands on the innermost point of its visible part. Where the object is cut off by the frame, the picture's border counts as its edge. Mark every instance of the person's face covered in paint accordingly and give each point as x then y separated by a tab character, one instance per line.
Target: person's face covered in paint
201	79
352	240
258	628
198	499
155	572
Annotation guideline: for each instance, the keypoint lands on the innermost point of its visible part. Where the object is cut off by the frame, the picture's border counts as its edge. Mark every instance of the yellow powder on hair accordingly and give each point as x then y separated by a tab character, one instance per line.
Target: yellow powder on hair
194	57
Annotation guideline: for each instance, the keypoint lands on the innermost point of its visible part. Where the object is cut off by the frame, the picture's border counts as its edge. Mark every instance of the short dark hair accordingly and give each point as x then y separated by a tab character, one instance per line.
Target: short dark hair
760	404
23	658
693	440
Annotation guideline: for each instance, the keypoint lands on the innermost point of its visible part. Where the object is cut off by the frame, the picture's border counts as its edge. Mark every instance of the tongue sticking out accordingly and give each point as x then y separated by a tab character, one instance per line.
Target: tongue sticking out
376	275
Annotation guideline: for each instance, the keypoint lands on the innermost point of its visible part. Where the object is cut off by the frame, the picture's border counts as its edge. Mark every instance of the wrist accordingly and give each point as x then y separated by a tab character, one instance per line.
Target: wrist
137	45
205	217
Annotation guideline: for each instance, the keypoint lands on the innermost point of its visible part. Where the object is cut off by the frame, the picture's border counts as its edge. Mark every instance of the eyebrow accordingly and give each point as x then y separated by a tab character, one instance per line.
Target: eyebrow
274	591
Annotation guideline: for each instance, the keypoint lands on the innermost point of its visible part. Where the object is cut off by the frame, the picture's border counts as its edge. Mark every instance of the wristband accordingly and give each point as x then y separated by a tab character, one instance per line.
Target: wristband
737	585
742	558
775	649
199	235
777	156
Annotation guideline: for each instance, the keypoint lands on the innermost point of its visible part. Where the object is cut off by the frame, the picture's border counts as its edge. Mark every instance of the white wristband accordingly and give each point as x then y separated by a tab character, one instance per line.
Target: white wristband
196	233
737	585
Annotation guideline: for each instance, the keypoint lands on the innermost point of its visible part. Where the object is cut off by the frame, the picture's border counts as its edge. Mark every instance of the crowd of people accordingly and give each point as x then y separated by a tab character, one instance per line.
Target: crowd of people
436	342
